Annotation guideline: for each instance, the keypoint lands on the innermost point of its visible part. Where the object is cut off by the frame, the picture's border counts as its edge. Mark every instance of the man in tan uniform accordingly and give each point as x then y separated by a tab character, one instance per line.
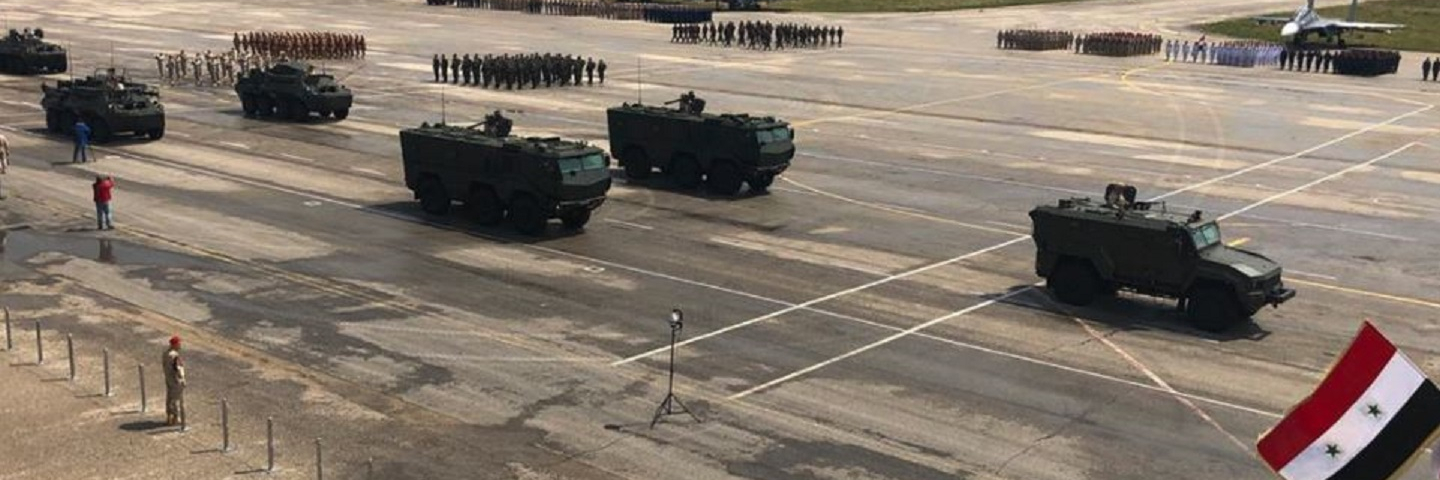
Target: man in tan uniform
174	384
4	162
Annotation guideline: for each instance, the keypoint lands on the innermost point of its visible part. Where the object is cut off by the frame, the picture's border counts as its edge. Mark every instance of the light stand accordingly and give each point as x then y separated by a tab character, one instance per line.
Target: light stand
669	405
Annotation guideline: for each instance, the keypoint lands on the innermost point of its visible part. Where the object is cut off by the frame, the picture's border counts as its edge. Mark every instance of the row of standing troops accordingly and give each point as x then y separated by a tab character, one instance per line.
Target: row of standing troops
327	45
512	71
1034	39
207	69
761	35
1118	44
663	13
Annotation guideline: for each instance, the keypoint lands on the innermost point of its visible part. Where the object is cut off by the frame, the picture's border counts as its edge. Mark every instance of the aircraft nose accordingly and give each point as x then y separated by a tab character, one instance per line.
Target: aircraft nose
1290	29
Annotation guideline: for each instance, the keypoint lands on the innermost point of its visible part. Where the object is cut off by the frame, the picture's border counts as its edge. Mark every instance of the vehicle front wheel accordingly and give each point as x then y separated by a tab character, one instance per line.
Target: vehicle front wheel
575	219
1213	309
637	165
342	113
485	206
433	199
1074	282
760	183
723	179
156	134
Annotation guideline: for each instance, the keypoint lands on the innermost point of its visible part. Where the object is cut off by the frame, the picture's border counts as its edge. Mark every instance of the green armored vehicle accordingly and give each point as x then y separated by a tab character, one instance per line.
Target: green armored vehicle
291	90
693	147
525	180
1085	249
27	52
108	103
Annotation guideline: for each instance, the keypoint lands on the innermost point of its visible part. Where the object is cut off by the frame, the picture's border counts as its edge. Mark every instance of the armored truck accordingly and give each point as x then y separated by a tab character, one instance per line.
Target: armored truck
292	90
526	180
1087	248
692	147
28	53
108	103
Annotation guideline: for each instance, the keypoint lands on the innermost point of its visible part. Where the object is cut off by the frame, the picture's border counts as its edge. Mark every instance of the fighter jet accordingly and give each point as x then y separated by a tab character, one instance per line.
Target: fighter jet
1306	22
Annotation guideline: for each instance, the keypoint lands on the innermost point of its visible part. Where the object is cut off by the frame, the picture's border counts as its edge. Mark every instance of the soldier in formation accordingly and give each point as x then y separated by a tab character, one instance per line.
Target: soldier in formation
1118	44
1232	54
663	13
302	45
758	35
206	69
1366	62
1307	60
1034	40
510	72
1429	70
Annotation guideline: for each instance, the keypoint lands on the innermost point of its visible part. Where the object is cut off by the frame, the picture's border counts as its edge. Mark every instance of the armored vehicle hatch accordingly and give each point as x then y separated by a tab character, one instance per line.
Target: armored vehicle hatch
693	147
527	180
1087	248
107	102
292	90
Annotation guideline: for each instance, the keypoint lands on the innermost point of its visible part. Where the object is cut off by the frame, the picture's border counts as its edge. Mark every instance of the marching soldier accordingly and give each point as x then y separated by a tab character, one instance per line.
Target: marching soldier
600	66
454	68
435	67
590	71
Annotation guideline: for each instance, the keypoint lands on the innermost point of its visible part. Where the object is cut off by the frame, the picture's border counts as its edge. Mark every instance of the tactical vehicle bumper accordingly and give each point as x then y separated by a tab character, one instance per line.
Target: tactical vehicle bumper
141	123
771	169
583	204
1272	294
329	103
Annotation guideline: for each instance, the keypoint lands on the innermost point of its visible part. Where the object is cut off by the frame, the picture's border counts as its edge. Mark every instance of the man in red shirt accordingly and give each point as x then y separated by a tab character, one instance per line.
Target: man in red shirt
103	187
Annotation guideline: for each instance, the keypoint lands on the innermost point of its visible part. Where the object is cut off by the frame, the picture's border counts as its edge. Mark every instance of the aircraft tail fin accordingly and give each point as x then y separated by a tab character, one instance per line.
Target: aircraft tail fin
1353	4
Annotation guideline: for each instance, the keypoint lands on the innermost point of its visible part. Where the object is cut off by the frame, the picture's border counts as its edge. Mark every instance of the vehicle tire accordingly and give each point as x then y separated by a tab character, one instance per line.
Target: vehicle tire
247	104
685	172
575	219
52	121
264	106
433	199
637	165
156	134
760	183
298	112
1213	308
526	216
342	113
1074	282
485	206
324	113
100	131
723	179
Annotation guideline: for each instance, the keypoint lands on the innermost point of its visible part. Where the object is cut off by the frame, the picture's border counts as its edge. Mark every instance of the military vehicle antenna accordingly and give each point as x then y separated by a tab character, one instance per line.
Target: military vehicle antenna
639	93
112	54
442	103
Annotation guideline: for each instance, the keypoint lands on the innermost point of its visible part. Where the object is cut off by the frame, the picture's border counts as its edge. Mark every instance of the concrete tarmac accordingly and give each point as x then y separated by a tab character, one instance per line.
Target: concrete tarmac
871	317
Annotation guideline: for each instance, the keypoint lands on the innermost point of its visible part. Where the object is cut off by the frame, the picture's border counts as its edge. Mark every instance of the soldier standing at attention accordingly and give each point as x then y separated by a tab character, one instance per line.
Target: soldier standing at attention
444	69
174	369
435	67
454	68
1425	70
600	66
590	71
465	69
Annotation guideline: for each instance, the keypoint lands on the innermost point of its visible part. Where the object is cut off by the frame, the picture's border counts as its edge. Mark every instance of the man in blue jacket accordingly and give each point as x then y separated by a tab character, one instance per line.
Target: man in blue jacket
82	142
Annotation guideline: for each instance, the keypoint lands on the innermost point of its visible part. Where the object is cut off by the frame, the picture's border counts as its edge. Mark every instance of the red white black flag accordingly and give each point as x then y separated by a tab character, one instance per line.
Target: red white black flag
1374	412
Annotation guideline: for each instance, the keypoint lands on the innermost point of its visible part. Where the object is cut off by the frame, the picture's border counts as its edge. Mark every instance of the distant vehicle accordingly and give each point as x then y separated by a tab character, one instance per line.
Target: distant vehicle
1306	21
743	5
1086	249
108	103
525	180
692	147
291	90
25	53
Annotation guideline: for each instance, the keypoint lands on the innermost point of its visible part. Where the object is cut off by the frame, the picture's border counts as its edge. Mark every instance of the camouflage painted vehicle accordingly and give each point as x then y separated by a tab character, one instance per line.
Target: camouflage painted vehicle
28	53
291	90
1086	249
692	147
525	180
108	103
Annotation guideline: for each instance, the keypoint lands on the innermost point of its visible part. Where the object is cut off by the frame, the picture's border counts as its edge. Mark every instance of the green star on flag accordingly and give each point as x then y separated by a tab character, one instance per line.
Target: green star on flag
1332	450
1373	410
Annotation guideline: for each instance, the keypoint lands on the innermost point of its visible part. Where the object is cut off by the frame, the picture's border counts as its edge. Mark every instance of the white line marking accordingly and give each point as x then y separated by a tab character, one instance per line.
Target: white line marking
629	224
826	298
898	210
1318	181
1308	274
296	157
236	145
502	359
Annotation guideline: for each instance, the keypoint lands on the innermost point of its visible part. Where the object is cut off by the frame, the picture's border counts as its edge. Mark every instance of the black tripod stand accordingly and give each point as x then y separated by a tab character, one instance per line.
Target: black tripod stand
672	404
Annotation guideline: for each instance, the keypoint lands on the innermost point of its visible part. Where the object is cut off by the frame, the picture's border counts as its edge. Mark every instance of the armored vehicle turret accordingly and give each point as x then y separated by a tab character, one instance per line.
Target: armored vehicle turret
527	180
692	147
292	90
1087	248
27	52
108	103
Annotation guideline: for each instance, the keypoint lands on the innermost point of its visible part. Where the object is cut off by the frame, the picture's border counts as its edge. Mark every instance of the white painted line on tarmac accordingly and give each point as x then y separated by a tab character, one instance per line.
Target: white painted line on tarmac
1318	181
629	224
296	157
1308	274
236	145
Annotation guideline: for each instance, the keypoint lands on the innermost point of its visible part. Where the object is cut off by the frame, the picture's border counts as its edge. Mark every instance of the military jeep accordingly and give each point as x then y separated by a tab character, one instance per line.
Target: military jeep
1086	249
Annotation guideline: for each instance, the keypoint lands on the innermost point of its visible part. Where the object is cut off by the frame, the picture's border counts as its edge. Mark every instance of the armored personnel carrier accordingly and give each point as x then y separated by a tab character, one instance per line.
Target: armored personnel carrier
1085	249
108	103
692	147
27	52
525	180
291	90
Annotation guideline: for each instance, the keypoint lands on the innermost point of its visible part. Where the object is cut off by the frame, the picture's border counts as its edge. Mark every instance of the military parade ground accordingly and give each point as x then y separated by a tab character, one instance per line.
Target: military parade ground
869	306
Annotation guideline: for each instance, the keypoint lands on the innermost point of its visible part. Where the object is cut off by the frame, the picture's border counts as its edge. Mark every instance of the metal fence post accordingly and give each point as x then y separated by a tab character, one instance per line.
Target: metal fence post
370	468
319	462
70	352
9	339
39	346
270	444
144	406
224	425
106	353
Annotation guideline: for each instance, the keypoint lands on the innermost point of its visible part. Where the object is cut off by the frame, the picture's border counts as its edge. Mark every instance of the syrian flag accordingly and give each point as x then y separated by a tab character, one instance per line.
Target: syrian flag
1372	414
